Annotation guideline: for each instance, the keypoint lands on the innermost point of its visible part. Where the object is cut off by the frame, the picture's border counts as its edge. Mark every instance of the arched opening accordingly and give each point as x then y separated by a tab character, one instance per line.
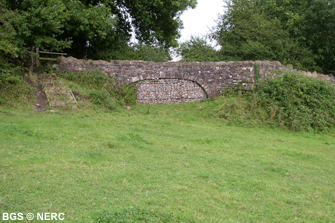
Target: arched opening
169	91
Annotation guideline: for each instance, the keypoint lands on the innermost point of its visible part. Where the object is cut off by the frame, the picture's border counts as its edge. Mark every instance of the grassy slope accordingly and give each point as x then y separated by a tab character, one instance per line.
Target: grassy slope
163	158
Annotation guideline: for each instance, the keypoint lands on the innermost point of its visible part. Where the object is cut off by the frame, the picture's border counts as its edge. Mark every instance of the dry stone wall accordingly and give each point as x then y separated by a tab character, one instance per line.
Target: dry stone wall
172	82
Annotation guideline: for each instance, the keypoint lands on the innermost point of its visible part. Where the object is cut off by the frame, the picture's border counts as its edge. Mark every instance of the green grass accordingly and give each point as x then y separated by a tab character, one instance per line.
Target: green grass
162	163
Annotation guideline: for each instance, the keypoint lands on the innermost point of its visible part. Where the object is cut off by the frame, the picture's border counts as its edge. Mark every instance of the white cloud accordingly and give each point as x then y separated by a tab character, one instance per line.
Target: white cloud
198	21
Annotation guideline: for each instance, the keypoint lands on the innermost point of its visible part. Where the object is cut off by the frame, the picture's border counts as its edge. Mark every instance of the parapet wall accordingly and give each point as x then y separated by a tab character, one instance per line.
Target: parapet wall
211	77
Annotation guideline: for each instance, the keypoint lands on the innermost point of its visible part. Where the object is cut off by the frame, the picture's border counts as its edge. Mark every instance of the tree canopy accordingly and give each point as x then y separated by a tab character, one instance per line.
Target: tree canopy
198	49
297	32
87	27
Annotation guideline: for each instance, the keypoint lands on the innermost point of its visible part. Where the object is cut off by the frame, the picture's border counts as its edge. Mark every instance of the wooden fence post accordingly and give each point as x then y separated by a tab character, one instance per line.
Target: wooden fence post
37	57
32	60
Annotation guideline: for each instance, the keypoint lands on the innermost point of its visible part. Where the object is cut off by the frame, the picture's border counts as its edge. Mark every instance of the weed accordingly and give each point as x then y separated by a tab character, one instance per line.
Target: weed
103	98
103	90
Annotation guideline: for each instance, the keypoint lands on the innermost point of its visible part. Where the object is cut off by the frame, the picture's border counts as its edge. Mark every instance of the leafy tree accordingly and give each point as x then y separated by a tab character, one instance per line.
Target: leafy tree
106	24
135	51
41	22
89	26
8	35
245	32
198	49
311	22
303	31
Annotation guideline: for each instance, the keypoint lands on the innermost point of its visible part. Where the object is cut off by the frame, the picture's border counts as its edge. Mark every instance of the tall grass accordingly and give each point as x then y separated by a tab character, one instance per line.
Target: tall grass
103	90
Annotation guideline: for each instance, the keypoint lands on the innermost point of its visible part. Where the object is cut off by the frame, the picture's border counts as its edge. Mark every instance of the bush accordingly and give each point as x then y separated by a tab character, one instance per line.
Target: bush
95	79
104	90
103	98
293	101
299	102
126	95
13	88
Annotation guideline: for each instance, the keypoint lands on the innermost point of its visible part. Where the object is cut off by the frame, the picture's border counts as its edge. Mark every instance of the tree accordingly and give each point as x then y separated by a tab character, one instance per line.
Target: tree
91	26
198	49
308	26
41	22
136	51
245	32
8	36
311	22
104	25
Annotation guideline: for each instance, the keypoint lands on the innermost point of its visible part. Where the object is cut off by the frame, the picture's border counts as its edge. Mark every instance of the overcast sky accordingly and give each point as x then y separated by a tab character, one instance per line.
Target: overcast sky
198	21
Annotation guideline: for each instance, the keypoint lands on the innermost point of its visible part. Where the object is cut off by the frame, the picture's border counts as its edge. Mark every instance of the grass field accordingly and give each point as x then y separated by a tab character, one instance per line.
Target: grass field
162	163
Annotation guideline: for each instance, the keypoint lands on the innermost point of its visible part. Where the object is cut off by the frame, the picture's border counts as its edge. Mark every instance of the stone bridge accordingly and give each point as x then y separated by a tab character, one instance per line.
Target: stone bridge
174	82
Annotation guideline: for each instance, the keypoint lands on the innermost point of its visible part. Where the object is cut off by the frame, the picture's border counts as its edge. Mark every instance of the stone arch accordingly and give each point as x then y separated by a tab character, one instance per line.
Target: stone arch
166	90
187	77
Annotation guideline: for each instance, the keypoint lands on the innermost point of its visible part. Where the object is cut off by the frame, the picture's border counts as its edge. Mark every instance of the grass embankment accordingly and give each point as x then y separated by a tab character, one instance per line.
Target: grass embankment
167	162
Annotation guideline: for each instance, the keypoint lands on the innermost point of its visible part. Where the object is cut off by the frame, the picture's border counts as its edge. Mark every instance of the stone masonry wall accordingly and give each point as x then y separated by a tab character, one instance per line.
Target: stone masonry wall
168	91
212	77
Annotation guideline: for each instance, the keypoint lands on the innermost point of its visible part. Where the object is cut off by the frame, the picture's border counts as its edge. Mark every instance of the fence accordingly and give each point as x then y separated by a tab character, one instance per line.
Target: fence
38	58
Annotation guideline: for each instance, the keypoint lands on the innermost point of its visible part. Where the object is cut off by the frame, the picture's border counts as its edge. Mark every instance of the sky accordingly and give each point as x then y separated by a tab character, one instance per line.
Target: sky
198	21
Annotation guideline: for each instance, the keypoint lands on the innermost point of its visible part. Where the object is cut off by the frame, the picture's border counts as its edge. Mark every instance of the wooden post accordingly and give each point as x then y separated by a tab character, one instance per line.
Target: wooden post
32	60
239	95
37	57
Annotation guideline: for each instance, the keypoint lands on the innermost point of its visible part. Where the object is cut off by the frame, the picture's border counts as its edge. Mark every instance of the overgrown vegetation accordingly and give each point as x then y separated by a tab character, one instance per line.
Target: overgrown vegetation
198	49
105	25
103	90
291	100
14	89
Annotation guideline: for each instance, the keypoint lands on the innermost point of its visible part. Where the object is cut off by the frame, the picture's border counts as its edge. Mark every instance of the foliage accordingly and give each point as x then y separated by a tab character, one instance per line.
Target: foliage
126	95
197	49
107	24
9	20
41	23
94	80
311	23
135	51
89	27
293	101
103	90
14	90
103	98
244	32
304	103
257	73
288	31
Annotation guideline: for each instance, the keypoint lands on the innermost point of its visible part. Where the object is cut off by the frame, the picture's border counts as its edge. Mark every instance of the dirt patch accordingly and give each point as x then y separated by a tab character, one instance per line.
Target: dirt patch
40	95
41	99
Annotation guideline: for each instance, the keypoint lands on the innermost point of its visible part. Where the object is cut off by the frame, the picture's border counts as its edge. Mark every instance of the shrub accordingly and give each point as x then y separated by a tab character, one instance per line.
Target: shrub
94	79
291	100
299	102
104	90
103	98
13	88
126	95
